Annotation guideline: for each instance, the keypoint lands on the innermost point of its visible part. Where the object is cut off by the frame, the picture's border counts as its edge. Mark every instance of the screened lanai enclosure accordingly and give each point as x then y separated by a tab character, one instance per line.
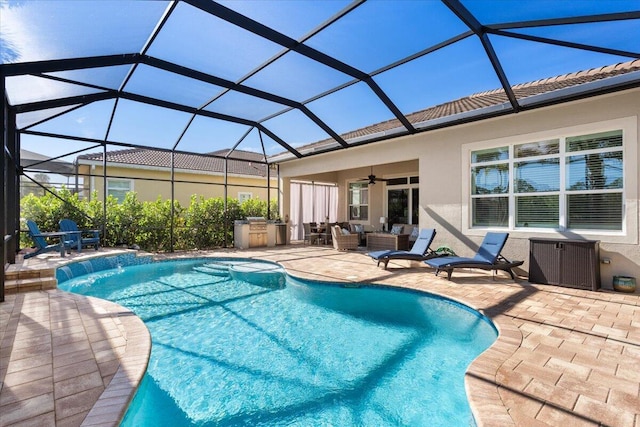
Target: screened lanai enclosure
283	80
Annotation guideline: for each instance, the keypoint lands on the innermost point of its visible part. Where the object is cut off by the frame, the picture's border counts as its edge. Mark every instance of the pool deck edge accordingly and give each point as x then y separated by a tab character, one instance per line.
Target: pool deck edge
68	359
111	406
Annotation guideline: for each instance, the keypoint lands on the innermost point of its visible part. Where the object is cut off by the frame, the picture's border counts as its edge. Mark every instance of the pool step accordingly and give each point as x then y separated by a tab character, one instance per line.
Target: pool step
214	269
259	273
25	280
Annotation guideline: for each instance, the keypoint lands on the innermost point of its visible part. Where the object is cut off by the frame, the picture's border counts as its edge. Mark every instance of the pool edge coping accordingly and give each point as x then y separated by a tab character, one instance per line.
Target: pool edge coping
112	405
481	385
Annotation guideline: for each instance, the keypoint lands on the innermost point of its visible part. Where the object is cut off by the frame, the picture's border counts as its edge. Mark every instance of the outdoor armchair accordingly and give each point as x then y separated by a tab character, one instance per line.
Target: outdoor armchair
40	240
342	241
80	238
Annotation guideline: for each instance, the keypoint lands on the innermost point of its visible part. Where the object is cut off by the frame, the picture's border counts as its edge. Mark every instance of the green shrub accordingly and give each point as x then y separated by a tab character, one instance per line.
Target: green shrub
257	207
48	210
204	224
155	225
123	220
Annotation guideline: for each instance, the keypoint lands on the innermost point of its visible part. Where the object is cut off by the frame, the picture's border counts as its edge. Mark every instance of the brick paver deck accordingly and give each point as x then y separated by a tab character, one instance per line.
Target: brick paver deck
564	357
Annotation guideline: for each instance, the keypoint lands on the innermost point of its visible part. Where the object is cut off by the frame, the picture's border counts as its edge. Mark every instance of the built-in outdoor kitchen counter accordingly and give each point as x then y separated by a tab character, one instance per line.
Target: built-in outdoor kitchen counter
255	232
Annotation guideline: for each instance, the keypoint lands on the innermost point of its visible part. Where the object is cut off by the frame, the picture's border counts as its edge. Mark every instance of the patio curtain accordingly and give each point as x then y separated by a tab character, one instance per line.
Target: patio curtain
311	202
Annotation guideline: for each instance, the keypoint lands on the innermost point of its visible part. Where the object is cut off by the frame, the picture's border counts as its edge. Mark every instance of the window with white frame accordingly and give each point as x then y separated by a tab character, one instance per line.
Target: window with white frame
244	196
358	201
573	182
119	188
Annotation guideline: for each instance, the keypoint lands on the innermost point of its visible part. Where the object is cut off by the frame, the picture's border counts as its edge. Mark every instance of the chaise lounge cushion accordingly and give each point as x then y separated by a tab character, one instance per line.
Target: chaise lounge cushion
419	252
488	257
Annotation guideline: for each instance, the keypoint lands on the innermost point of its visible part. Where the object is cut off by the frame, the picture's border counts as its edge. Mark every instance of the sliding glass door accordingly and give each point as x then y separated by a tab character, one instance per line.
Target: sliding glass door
402	201
398	206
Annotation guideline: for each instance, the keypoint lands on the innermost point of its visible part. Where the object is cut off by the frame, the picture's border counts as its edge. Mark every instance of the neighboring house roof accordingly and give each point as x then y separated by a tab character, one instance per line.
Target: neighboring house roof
491	98
208	163
40	162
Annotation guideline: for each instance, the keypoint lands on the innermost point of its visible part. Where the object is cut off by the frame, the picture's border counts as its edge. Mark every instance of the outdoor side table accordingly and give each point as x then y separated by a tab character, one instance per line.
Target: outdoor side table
61	235
382	241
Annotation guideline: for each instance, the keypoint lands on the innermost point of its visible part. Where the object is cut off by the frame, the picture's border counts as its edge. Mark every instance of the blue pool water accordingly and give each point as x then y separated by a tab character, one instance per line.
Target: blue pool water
255	347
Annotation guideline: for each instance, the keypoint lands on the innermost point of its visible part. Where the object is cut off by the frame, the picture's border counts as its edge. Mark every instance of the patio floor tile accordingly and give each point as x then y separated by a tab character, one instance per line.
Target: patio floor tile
26	391
564	356
18	412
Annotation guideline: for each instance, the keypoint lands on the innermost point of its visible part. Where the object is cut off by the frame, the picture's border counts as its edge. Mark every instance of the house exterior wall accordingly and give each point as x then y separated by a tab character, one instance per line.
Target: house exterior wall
444	178
377	191
208	185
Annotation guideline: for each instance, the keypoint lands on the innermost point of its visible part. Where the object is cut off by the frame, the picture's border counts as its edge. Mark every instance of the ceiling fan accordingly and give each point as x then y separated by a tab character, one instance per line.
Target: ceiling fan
372	178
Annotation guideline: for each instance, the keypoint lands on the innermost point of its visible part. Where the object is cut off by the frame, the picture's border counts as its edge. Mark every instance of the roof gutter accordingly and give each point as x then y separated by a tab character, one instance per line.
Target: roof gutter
598	87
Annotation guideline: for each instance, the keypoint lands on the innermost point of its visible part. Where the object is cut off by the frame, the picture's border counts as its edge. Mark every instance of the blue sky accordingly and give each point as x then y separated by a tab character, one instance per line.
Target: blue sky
375	34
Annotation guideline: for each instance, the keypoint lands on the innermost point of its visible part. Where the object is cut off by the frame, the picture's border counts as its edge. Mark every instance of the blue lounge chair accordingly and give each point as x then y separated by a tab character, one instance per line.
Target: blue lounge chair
91	237
40	240
487	258
419	252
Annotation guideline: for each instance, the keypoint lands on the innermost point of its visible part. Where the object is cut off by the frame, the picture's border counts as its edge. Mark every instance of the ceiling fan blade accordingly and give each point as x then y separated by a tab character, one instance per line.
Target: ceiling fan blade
372	179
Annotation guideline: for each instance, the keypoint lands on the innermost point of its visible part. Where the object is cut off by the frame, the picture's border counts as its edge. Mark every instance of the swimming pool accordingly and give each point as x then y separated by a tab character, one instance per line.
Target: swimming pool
248	345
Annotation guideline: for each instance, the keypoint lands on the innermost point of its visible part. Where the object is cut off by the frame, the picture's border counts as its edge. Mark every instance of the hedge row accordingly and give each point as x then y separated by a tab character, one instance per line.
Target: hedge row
204	224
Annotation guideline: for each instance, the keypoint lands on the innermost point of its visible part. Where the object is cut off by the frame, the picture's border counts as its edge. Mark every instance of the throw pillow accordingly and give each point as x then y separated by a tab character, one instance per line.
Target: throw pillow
396	229
345	232
414	233
359	228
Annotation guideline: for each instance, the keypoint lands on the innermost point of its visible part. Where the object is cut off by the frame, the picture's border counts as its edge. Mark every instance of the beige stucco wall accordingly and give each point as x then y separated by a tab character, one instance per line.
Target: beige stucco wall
150	190
444	185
